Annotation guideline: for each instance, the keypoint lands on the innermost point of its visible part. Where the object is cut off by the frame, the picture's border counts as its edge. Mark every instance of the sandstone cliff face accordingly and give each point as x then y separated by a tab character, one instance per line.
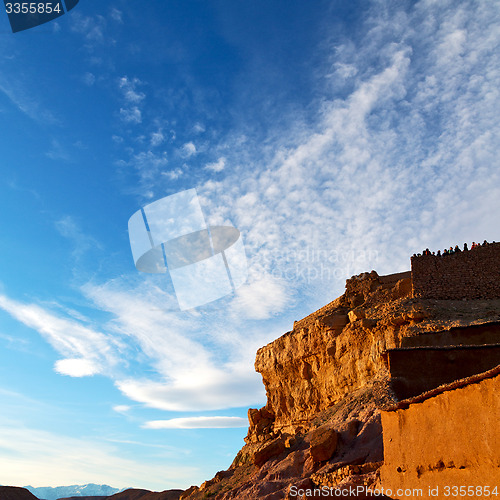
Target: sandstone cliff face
326	381
334	351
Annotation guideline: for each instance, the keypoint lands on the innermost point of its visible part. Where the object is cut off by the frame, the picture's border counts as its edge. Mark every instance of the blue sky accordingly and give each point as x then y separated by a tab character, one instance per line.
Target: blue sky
338	137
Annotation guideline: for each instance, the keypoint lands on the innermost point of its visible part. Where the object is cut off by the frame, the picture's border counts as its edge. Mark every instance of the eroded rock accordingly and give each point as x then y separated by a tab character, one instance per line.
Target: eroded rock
323	444
269	450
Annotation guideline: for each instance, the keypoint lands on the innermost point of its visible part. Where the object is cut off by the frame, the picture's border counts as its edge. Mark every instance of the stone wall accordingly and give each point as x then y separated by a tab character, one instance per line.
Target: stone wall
465	275
419	369
484	333
462	425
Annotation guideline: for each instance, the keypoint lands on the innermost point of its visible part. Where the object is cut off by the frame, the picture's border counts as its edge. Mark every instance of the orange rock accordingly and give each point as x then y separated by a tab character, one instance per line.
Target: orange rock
323	444
269	450
356	314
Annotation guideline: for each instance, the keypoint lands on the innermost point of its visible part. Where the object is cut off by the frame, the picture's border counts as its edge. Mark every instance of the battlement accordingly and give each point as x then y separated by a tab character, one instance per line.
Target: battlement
474	274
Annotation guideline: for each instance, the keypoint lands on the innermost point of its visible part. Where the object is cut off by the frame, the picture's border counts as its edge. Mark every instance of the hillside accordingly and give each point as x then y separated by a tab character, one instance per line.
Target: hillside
15	493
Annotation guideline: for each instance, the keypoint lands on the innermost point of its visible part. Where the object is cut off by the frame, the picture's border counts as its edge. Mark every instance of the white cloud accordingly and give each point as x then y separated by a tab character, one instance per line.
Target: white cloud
197	423
129	89
58	151
262	298
199	128
148	165
89	79
88	351
157	138
69	228
122	408
149	162
91	27
25	100
77	367
193	369
173	174
188	150
212	389
217	166
131	115
116	15
186	373
416	134
131	111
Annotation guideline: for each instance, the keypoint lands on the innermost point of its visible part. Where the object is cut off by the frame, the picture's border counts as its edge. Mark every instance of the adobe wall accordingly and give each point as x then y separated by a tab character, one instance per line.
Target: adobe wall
450	439
419	369
485	333
465	275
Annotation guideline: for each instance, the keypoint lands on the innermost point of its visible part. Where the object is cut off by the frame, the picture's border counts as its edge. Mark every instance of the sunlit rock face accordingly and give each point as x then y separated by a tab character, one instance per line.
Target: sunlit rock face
330	377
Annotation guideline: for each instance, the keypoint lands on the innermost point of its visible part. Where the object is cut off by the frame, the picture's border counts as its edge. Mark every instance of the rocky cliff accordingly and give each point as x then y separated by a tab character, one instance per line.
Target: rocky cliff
327	380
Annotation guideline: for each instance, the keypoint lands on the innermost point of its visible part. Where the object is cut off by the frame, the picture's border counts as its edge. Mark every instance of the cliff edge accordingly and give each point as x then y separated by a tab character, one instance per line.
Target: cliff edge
329	378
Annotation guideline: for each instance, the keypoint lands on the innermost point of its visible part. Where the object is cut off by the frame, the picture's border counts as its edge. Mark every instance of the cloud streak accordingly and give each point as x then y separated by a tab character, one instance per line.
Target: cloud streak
197	423
86	351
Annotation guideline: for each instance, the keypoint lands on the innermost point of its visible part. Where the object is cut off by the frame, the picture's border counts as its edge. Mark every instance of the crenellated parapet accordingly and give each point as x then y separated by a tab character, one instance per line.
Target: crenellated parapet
473	274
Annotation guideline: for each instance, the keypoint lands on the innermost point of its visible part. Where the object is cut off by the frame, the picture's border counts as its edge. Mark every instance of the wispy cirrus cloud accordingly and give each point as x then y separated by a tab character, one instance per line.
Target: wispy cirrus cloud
26	102
58	152
86	351
187	374
116	15
388	164
68	227
91	27
197	423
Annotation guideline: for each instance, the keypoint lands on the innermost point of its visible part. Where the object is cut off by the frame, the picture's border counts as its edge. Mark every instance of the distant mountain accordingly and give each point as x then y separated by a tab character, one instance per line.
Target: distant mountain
134	494
86	490
14	493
